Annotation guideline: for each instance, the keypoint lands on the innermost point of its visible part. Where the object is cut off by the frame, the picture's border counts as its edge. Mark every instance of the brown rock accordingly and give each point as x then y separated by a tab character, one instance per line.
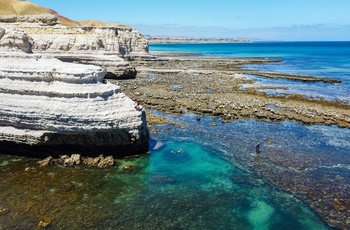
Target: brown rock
48	161
44	223
106	162
74	159
128	168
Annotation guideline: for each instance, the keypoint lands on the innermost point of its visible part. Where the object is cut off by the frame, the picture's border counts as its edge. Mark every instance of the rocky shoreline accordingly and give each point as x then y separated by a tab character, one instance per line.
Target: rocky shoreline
214	87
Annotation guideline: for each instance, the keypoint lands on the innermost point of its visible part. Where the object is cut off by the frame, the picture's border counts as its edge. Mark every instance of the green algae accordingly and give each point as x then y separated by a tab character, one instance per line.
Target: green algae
169	189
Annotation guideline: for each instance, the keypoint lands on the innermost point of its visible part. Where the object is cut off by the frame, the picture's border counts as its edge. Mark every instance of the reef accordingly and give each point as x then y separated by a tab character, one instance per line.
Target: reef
218	87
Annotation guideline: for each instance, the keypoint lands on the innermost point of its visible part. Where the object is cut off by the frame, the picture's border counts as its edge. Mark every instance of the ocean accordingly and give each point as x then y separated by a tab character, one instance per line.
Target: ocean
203	176
315	59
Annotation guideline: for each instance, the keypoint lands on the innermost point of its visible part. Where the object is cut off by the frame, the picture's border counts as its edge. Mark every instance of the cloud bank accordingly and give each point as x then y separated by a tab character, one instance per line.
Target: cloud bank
294	33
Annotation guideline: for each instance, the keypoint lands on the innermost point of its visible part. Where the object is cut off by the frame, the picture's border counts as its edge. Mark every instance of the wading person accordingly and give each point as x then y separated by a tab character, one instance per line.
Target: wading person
138	107
257	147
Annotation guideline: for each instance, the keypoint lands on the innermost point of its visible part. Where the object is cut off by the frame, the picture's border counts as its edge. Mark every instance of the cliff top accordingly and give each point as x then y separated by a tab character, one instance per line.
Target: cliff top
21	8
14	7
92	23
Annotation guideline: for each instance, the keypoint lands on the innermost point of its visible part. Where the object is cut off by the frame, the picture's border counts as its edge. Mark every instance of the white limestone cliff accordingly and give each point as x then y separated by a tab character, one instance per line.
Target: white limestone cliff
115	43
15	40
52	107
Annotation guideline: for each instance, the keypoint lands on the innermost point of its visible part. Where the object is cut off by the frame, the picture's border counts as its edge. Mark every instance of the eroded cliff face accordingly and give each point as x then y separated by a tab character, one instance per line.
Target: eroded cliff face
50	35
81	43
54	107
15	40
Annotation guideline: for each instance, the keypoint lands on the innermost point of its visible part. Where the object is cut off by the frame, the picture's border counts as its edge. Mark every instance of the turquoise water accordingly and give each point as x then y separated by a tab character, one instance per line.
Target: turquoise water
316	59
215	182
193	189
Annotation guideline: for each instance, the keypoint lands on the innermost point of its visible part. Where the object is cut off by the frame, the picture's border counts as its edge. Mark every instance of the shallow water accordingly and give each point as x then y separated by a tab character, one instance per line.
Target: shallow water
170	189
316	59
317	90
190	190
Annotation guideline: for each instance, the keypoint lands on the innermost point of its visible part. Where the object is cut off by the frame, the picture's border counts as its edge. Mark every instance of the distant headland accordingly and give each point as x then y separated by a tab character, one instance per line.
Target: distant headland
161	40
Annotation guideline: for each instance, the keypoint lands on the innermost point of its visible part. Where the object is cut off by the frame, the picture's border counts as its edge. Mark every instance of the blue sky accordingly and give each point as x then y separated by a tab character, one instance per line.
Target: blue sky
250	19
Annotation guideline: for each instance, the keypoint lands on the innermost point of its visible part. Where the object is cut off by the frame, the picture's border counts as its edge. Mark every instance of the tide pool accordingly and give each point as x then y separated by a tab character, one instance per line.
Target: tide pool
201	177
190	190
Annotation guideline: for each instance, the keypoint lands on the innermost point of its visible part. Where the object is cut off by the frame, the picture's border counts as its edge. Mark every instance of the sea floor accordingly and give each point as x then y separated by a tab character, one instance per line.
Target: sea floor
204	176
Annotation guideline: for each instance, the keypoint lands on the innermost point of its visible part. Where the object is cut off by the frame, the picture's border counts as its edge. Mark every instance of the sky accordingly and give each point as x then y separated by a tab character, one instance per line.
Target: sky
286	20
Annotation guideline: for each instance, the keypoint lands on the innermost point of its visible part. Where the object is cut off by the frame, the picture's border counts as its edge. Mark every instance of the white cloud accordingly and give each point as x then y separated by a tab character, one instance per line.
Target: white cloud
320	32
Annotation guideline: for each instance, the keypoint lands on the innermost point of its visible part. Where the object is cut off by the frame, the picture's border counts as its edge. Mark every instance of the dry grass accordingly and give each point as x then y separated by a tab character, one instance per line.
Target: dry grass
14	7
92	23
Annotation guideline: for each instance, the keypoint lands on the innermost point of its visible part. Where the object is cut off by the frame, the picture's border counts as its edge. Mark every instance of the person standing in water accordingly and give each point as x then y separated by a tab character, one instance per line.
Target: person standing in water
257	147
138	107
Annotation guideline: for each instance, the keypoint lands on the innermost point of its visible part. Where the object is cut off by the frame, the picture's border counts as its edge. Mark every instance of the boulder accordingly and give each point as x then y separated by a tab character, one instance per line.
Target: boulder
15	40
91	161
100	161
74	159
48	161
106	162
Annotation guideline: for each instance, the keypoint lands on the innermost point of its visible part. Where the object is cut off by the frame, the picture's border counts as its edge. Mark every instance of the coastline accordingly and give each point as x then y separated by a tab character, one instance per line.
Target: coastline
212	87
226	121
218	87
193	41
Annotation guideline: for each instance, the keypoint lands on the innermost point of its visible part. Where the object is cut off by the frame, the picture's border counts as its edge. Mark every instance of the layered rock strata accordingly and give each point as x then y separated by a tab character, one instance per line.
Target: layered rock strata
111	43
52	107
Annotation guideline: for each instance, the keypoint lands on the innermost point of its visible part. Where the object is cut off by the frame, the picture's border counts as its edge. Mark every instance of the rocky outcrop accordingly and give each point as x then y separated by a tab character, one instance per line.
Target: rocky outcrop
58	36
52	107
82	45
15	40
113	66
113	40
43	19
27	12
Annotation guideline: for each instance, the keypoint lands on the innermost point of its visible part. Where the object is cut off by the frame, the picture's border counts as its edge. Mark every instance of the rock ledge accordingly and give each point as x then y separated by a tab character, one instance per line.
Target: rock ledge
51	107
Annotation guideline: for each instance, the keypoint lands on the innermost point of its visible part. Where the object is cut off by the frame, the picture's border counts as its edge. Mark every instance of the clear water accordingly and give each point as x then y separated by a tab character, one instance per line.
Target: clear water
170	189
217	182
316	59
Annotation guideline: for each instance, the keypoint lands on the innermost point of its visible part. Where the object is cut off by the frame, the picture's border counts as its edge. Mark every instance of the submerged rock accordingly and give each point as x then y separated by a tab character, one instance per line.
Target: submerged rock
3	211
48	107
44	223
160	179
100	161
77	159
128	168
